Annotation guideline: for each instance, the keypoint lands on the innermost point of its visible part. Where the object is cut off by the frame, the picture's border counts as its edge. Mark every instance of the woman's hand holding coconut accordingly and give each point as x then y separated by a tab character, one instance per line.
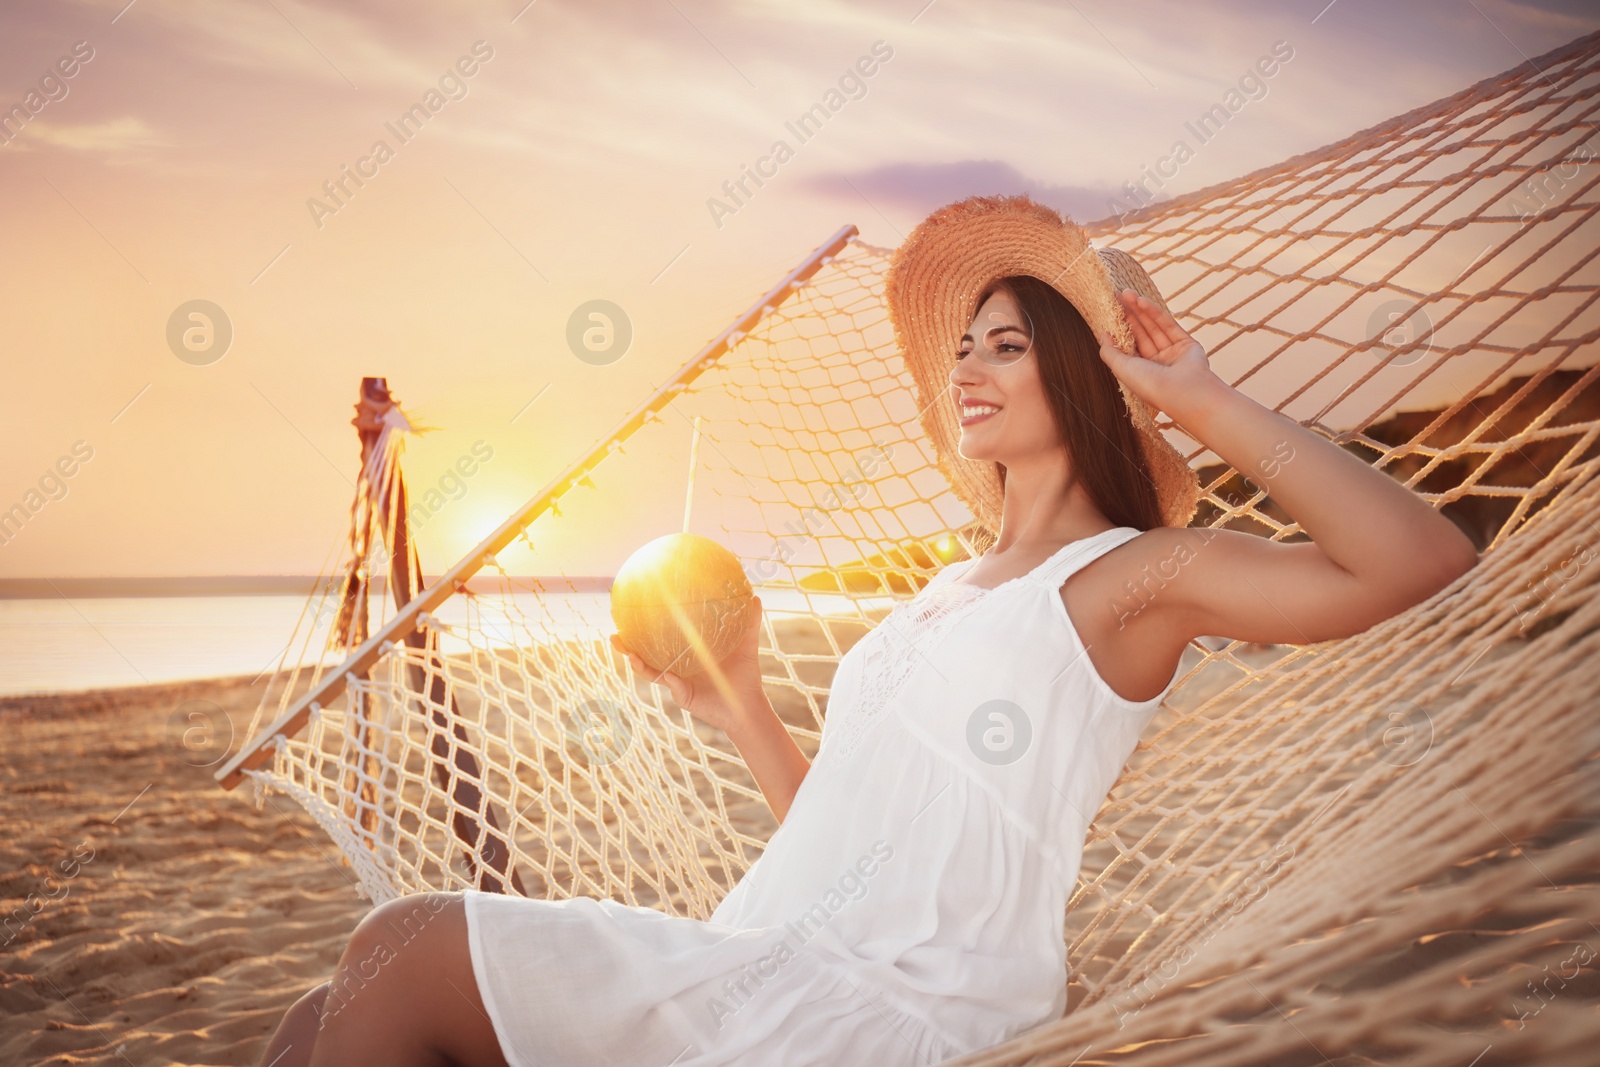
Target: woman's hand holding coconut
687	619
728	694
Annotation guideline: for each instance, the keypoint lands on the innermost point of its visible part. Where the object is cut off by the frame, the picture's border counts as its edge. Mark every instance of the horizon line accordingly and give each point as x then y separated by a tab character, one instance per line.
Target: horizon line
115	586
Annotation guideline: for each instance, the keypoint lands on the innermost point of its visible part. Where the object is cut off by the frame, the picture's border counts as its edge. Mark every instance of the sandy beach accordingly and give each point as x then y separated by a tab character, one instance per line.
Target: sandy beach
153	918
169	922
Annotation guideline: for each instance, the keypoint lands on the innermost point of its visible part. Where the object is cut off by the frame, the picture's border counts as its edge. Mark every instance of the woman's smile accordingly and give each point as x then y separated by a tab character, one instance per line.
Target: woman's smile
972	412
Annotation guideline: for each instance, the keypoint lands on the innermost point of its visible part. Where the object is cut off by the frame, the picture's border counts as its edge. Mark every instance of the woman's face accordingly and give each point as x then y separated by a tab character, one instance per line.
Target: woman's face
996	387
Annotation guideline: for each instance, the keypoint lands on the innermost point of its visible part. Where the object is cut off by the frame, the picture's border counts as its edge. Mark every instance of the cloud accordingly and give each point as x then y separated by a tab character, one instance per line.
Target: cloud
919	188
117	135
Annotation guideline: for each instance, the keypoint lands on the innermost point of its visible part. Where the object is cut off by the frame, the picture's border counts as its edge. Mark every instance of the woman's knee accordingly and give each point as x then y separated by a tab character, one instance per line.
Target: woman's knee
402	921
406	984
398	937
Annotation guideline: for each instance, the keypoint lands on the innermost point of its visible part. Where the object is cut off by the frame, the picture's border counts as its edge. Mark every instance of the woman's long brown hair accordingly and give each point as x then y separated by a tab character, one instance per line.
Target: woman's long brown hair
1090	413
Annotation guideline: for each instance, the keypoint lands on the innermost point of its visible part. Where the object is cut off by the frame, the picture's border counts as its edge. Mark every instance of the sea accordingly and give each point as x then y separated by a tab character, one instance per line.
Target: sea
51	645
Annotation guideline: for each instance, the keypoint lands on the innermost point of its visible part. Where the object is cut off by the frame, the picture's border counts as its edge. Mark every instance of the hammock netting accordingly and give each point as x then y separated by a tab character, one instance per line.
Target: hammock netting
1374	850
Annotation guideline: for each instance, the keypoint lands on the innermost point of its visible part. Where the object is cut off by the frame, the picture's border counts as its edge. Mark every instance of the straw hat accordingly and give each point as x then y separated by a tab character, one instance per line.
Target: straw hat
933	284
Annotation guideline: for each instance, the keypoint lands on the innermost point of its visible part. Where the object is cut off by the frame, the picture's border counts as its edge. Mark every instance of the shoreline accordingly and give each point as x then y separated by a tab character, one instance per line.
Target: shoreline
300	585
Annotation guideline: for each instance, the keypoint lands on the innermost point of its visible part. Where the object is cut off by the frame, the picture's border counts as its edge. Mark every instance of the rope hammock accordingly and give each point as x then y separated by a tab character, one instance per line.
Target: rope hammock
1378	849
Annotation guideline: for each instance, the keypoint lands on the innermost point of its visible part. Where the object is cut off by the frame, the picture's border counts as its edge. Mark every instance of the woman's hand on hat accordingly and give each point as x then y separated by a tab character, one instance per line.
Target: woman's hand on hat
1167	363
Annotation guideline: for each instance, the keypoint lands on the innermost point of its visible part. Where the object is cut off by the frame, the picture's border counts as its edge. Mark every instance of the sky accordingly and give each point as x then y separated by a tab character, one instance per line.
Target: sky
196	150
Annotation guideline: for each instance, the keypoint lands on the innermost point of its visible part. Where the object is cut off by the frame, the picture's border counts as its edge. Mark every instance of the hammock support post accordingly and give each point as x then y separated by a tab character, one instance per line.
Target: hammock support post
487	854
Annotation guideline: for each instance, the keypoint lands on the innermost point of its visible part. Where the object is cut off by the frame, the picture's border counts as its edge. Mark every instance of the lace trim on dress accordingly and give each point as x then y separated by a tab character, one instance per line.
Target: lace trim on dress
893	649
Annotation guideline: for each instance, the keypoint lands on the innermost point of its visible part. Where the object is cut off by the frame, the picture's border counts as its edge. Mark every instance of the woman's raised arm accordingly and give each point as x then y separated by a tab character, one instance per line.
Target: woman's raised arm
1376	547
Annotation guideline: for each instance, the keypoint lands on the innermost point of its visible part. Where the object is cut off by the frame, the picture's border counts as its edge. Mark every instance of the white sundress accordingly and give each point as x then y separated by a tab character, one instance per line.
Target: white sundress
909	909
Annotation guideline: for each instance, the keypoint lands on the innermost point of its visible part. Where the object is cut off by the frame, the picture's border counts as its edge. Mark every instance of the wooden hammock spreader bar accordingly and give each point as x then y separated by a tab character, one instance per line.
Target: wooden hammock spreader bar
404	621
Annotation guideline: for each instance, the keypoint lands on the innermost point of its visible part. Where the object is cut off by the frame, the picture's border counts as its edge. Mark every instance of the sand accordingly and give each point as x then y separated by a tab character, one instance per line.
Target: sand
156	918
175	923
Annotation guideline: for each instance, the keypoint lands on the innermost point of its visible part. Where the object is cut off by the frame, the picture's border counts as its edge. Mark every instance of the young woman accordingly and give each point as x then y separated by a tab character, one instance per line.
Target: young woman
909	908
